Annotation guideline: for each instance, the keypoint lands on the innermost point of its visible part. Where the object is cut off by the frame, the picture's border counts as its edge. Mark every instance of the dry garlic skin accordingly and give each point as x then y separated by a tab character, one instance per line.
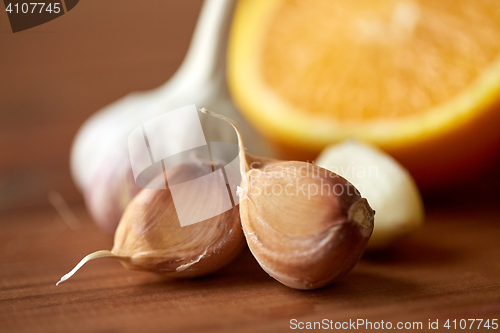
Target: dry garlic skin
151	237
305	225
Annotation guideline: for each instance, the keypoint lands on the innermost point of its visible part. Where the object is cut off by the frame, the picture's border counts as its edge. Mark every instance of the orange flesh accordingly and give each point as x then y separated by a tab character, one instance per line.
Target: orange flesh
372	59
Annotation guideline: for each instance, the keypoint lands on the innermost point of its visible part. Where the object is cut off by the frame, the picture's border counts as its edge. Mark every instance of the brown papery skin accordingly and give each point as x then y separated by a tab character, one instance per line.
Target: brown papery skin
303	239
150	237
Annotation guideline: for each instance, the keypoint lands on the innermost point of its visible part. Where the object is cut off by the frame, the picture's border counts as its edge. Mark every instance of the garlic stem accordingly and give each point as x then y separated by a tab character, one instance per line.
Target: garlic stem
95	255
244	168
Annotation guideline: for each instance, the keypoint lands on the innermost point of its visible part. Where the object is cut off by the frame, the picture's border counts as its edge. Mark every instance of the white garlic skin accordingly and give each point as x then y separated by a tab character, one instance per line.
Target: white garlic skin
389	188
110	190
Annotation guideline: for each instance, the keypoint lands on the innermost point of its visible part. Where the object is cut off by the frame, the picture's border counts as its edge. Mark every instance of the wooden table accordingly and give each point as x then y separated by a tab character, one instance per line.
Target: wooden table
95	55
449	270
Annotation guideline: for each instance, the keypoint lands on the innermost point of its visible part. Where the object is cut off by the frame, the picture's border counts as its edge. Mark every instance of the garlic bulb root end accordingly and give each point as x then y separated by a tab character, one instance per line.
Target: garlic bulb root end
362	214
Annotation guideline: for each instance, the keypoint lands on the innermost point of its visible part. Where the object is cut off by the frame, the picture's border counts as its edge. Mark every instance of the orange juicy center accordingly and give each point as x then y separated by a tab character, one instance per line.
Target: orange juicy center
373	59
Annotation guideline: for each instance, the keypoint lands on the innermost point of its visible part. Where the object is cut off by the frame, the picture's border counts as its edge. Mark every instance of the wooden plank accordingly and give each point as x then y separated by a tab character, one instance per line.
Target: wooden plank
449	270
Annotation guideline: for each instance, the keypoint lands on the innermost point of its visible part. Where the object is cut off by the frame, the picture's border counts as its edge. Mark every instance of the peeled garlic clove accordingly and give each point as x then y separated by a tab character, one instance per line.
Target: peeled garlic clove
150	237
389	188
305	225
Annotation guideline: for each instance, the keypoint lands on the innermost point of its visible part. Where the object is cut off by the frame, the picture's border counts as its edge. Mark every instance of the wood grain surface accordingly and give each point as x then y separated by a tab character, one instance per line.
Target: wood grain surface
54	76
449	270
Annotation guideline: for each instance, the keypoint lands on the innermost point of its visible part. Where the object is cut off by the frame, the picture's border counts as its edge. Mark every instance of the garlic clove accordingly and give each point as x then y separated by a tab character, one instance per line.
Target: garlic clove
150	237
153	240
302	237
389	188
305	225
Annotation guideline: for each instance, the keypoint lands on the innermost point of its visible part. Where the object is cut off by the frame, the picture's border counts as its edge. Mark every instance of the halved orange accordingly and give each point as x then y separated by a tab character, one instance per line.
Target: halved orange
419	79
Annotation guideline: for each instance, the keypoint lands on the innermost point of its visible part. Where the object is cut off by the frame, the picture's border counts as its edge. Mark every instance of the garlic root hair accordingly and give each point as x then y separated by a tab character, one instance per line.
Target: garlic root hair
92	256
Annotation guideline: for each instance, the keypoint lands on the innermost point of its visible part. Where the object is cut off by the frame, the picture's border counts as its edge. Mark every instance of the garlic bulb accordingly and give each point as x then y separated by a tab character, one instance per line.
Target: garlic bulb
110	190
200	80
389	188
305	225
150	237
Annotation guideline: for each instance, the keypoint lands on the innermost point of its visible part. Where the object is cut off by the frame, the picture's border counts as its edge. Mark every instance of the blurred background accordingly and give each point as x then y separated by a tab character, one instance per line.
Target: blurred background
54	76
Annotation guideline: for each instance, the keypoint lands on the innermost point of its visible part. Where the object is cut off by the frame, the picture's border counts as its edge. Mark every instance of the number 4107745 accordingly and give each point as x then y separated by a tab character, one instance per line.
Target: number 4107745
33	7
471	323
